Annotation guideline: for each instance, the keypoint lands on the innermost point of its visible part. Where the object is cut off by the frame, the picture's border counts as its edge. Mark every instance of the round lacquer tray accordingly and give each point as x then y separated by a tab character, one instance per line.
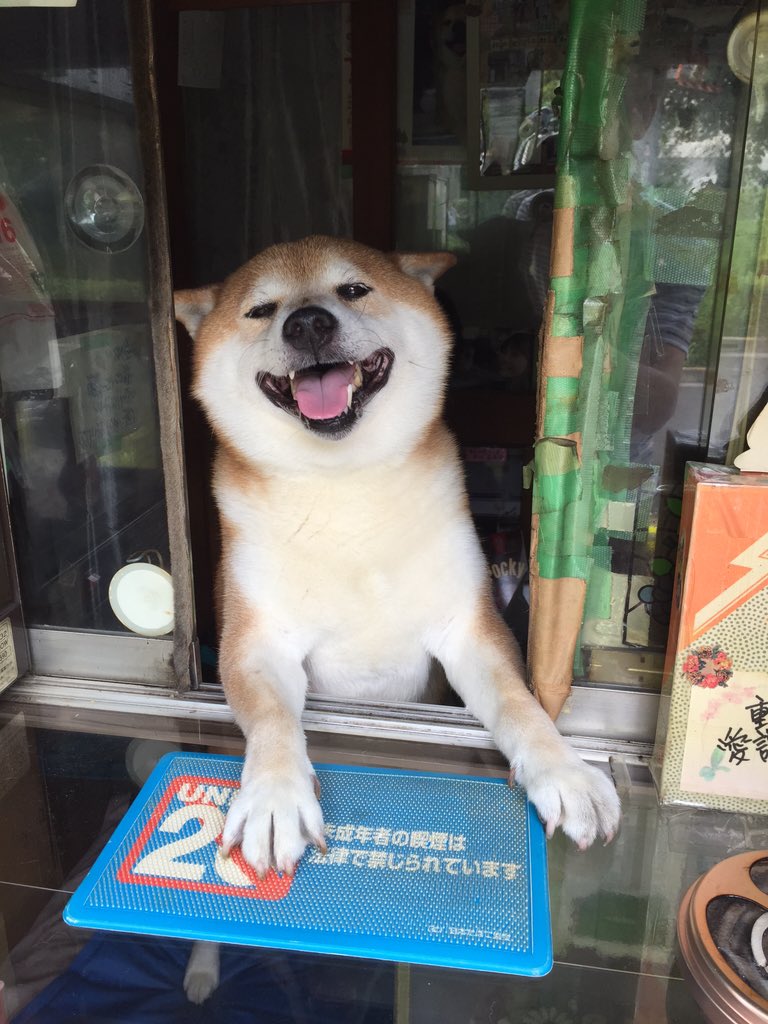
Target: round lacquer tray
723	931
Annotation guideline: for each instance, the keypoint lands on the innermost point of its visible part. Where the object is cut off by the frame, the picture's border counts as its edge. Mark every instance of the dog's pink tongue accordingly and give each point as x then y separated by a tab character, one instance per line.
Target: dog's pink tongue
322	396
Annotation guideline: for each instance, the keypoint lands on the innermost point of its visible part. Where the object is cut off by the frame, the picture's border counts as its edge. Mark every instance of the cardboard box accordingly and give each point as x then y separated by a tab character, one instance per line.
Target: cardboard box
712	737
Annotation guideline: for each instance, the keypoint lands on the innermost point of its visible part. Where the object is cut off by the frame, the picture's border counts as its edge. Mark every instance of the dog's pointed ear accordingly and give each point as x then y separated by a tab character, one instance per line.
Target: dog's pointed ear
192	306
424	266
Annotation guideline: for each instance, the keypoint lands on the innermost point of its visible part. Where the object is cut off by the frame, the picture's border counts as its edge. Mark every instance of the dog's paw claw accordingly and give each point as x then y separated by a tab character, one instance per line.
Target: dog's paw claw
272	818
575	796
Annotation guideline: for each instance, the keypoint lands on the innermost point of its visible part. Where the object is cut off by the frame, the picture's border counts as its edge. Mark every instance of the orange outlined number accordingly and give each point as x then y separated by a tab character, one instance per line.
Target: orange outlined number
162	865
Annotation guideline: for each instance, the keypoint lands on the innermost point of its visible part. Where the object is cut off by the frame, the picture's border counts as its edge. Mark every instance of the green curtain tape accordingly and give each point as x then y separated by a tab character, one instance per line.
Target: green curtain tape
562	394
604	300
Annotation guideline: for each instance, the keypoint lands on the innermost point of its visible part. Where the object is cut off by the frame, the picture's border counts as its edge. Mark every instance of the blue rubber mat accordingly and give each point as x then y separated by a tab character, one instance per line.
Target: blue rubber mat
422	868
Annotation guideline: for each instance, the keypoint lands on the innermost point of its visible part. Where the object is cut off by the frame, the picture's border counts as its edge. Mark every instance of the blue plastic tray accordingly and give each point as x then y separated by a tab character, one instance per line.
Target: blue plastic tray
421	868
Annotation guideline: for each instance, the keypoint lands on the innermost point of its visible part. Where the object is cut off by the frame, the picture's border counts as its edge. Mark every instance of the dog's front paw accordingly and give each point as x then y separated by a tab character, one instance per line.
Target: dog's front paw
273	818
575	796
202	977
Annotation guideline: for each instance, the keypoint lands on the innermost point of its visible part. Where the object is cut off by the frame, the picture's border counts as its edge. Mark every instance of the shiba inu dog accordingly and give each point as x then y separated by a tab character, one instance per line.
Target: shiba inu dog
350	563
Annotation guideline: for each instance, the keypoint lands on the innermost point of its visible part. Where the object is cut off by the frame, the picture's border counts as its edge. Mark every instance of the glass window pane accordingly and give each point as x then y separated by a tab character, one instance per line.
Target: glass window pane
697	193
265	102
688	370
79	409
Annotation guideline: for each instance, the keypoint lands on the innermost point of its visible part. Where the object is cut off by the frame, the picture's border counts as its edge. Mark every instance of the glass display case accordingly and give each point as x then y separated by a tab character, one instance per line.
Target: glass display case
272	124
80	340
613	908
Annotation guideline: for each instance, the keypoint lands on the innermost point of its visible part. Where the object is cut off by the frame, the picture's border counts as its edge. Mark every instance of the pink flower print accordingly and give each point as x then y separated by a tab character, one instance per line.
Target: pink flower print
708	667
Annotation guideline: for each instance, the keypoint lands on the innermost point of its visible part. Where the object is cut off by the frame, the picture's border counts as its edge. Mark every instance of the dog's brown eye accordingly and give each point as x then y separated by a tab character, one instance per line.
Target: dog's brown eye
352	291
262	312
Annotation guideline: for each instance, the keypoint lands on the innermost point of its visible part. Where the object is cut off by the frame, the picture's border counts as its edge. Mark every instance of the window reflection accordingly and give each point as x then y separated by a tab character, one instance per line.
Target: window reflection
79	412
697	176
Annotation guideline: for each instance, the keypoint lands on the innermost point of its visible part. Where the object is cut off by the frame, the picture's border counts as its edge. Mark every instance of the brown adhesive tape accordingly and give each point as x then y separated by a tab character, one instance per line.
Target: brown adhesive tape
563	357
556	613
562	242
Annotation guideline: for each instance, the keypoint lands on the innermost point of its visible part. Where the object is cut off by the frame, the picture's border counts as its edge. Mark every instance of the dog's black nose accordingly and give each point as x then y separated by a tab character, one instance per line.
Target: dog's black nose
310	328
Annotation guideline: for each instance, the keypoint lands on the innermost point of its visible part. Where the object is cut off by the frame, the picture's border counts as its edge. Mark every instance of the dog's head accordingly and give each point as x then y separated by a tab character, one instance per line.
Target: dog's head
321	352
451	32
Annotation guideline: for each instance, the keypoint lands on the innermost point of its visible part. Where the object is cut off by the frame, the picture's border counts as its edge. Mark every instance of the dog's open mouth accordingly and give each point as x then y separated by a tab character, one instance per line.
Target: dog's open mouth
328	397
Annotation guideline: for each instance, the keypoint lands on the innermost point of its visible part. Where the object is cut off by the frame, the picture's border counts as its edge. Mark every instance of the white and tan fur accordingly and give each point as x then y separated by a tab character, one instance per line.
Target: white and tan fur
350	564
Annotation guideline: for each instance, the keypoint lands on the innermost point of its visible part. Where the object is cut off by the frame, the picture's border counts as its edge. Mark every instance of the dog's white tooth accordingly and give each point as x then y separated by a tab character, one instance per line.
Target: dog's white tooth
358	378
350	389
293	384
291	374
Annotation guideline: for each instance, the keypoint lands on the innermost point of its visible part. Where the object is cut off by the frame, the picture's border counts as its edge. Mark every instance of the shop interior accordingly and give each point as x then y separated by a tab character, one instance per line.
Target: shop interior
157	145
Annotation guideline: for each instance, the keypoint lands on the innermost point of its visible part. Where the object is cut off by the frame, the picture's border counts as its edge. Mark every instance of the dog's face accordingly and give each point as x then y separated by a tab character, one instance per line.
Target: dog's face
321	352
452	32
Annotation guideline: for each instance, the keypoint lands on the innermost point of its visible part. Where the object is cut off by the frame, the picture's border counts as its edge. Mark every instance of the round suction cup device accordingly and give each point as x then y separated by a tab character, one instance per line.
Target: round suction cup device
141	596
722	927
104	208
748	35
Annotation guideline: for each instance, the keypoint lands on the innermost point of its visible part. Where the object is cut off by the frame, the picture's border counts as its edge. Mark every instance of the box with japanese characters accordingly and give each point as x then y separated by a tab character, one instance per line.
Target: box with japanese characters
712	737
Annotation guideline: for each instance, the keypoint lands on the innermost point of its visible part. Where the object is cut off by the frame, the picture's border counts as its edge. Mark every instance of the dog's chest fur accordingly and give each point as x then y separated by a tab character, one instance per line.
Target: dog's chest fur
362	564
